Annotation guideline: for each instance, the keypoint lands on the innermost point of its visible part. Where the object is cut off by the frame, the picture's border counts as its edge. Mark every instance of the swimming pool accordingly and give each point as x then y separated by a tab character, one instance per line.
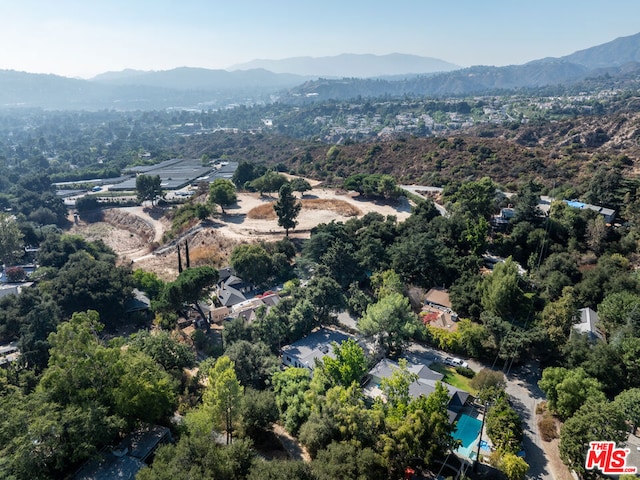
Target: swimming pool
468	432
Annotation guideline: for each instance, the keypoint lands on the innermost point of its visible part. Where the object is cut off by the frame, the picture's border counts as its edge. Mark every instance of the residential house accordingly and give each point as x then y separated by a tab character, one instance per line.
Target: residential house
425	385
248	310
128	458
139	303
608	214
589	324
304	352
13	288
9	354
501	220
218	314
437	310
232	290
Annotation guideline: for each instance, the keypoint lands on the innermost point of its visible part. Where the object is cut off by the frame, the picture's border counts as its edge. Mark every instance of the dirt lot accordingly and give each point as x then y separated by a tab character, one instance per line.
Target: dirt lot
130	231
318	206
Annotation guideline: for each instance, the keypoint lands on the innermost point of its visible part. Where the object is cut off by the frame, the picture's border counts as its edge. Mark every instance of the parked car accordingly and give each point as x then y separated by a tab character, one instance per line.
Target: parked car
456	362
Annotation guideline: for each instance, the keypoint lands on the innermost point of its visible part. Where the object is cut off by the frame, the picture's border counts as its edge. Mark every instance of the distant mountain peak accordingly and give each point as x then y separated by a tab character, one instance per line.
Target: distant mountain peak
352	65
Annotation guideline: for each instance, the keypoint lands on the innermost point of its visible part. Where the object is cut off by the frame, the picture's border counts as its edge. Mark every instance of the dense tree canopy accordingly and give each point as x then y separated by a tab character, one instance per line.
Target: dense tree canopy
11	245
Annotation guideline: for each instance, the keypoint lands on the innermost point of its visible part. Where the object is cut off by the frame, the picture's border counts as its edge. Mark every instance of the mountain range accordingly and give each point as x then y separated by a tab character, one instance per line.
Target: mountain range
310	78
352	65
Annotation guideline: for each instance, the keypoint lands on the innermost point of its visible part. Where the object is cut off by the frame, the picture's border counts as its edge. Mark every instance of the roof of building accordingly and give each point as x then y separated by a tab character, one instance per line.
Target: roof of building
385	368
425	385
109	466
138	303
438	296
230	296
142	443
124	462
589	323
225	273
9	290
607	212
315	346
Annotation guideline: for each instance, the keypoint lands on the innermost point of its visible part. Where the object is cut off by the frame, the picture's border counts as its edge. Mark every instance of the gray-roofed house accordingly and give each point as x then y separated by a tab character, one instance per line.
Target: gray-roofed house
588	324
608	214
126	460
304	352
232	289
138	303
425	385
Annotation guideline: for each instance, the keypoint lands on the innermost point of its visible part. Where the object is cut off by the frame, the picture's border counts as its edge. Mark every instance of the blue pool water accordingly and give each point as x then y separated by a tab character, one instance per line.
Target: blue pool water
467	431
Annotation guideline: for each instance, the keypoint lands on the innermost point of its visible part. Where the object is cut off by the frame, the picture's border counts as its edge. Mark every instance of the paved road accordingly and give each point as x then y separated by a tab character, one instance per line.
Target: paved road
522	386
415	189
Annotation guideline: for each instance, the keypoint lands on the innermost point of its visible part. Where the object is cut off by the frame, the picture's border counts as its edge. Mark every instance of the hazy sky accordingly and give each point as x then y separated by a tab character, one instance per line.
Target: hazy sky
86	37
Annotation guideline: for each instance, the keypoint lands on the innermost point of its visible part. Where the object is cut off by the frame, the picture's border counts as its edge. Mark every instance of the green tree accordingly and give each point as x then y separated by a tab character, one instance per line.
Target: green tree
345	461
628	402
258	412
281	470
164	348
475	199
417	434
246	172
387	282
148	282
223	396
253	362
269	182
489	383
349	364
501	291
504	426
567	390
300	185
290	386
40	439
391	321
11	245
526	203
287	208
222	192
618	310
595	421
559	316
196	457
513	466
143	391
252	263
148	187
326	296
85	282
189	287
396	389
472	337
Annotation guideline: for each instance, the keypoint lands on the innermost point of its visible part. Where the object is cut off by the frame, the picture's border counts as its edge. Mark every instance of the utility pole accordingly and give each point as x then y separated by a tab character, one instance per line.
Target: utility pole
477	460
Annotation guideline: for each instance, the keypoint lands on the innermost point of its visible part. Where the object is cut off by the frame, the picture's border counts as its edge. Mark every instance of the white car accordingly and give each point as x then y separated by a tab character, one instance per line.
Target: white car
456	362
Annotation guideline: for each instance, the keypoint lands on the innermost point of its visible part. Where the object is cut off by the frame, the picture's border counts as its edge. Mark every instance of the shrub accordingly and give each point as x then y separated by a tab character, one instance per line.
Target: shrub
465	372
547	427
15	274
